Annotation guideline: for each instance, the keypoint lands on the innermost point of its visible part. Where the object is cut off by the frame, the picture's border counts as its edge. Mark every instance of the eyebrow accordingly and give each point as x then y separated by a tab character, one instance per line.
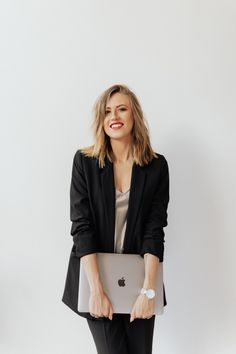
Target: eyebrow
118	105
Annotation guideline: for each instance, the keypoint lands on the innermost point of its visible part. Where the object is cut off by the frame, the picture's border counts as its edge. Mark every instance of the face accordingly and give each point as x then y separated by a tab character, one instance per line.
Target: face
118	120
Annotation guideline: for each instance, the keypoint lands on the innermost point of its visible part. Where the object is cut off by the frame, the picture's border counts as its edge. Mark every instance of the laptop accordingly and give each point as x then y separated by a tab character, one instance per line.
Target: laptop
122	276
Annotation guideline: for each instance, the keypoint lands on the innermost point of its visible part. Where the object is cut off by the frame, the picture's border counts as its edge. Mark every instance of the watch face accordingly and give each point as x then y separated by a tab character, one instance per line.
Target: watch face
150	293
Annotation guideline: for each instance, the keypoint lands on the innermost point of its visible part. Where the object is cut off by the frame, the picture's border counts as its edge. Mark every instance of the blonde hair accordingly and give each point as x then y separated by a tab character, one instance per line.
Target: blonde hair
141	147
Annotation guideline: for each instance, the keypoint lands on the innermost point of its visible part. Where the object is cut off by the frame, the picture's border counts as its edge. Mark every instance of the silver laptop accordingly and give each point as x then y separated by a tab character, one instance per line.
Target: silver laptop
122	276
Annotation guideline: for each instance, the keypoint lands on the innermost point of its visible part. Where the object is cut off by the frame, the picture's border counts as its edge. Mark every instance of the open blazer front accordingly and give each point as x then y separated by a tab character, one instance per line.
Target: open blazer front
92	212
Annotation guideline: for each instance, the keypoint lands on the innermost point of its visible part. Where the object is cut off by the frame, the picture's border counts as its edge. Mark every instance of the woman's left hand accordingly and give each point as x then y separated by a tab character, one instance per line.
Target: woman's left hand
143	308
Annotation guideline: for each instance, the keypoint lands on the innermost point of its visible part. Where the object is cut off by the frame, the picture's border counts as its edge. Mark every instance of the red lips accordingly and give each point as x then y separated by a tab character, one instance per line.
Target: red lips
116	123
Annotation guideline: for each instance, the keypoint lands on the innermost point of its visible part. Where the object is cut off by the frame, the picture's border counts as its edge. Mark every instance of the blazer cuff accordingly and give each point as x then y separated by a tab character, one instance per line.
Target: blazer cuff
150	246
84	246
80	253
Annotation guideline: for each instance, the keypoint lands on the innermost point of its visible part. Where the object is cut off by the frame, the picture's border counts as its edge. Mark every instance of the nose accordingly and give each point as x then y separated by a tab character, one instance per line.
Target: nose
114	115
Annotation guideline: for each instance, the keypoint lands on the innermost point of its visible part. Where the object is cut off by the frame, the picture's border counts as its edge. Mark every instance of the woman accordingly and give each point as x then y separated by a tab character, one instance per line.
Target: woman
119	198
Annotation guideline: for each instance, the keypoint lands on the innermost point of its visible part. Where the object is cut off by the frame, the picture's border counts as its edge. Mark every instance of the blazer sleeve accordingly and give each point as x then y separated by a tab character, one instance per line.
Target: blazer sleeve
82	228
156	220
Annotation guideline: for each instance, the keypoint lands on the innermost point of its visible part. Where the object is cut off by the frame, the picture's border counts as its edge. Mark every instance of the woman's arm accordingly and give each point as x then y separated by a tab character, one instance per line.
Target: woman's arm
84	237
144	307
153	243
92	273
151	267
99	303
82	229
153	235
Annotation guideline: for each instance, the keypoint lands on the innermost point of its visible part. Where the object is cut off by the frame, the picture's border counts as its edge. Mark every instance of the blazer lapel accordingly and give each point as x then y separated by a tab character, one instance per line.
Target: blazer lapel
109	199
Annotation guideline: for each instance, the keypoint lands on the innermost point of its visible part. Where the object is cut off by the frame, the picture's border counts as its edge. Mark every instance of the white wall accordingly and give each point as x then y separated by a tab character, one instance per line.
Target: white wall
56	58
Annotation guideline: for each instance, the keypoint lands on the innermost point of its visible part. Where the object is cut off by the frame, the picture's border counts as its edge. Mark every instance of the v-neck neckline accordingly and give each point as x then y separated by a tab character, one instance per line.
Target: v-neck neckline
122	192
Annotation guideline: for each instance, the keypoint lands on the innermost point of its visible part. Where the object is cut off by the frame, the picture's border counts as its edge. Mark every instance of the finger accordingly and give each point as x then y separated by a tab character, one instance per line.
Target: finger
132	316
93	315
149	317
110	313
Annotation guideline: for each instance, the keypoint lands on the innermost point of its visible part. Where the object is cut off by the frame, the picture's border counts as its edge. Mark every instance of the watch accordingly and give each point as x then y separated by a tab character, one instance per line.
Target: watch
150	293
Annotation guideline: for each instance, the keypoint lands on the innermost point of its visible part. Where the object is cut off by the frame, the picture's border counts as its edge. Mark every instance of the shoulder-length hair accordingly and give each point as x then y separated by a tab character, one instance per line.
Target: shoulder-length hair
101	149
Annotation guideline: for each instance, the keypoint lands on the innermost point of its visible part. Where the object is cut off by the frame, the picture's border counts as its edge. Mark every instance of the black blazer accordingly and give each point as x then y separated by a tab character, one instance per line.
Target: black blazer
92	212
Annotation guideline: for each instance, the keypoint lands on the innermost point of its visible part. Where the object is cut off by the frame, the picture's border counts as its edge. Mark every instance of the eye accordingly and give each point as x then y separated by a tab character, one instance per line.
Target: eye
121	109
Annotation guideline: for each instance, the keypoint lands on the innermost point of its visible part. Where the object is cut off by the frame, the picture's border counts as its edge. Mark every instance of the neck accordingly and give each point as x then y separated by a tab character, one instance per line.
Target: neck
121	150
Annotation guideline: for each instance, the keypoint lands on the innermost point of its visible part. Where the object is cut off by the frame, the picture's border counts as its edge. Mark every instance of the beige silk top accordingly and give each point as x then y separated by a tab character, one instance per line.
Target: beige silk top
122	201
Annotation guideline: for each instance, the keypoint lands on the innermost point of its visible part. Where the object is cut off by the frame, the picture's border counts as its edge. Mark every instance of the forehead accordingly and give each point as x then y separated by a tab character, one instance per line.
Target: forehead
117	99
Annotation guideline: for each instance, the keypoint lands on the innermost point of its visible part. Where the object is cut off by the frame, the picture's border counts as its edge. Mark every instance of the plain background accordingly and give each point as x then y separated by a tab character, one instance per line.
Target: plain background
56	58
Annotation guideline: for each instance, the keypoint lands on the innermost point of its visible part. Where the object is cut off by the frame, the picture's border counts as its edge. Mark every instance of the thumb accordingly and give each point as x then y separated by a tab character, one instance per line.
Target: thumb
110	313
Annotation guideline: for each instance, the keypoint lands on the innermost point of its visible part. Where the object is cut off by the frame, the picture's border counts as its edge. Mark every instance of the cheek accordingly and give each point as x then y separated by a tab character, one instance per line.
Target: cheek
106	125
130	120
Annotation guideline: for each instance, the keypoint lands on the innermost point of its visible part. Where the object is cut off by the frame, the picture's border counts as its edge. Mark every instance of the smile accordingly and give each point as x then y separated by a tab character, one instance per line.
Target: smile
116	126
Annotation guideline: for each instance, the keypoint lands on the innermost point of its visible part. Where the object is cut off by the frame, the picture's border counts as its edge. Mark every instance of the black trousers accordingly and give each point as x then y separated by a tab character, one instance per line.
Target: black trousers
120	336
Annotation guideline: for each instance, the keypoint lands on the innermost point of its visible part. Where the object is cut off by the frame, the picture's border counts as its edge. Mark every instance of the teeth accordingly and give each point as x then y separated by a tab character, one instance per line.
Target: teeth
116	125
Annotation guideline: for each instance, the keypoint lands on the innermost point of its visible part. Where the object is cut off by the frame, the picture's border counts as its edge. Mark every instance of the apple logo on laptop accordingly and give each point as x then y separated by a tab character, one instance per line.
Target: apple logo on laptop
121	281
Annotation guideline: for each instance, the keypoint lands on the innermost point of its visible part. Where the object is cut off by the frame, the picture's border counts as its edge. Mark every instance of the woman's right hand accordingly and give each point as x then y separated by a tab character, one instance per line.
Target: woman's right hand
100	305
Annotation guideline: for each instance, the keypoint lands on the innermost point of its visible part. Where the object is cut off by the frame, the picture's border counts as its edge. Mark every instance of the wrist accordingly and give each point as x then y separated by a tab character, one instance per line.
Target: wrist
149	284
148	292
96	287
